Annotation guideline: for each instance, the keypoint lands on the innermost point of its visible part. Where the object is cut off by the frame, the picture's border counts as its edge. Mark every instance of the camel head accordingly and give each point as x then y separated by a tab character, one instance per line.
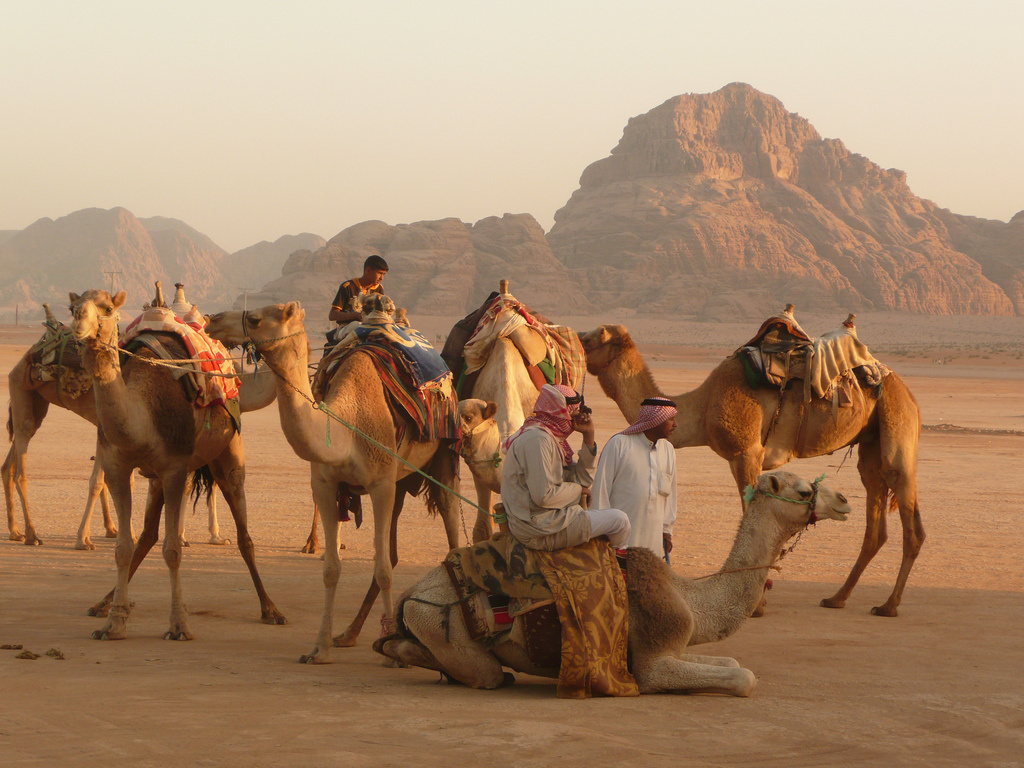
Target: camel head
474	414
603	345
266	327
796	502
94	315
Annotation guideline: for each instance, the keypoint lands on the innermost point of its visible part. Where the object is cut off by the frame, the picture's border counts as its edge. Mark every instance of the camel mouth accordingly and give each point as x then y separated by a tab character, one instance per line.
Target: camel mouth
835	513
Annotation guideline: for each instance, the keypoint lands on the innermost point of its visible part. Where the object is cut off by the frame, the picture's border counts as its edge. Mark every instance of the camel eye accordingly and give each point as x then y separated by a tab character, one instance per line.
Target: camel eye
806	494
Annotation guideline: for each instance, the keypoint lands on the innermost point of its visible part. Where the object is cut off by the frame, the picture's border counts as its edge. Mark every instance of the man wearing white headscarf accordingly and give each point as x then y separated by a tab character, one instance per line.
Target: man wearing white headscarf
637	474
544	487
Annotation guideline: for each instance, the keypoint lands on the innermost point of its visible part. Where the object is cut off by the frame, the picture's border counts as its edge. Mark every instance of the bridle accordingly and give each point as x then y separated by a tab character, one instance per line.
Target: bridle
750	491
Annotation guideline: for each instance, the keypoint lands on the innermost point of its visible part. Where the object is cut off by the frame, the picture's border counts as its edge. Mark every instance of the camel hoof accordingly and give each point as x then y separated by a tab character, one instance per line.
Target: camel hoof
884	610
345	640
85	545
180	634
218	541
33	541
313	658
16	537
112	534
309	548
831	602
106	634
273	616
389	663
759	611
186	543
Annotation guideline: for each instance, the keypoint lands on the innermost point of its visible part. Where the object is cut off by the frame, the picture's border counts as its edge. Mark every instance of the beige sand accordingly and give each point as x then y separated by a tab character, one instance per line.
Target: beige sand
940	685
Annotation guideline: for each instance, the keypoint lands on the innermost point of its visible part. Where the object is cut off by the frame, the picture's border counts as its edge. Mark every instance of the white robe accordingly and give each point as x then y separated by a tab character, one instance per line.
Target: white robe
639	477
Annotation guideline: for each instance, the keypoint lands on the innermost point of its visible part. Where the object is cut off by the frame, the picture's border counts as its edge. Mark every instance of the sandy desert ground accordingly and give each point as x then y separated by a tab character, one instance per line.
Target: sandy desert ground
938	686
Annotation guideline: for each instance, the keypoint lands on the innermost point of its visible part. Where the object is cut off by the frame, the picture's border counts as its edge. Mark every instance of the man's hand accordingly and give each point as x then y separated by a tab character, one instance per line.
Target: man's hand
667	539
582	423
585	498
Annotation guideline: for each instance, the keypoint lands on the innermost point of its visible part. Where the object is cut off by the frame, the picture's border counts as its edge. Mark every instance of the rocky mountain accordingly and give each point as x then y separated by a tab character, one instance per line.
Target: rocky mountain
258	264
720	203
92	247
444	267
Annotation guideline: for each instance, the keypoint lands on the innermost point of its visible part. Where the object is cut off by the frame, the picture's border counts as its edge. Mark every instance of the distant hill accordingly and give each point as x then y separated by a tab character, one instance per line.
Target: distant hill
725	202
257	265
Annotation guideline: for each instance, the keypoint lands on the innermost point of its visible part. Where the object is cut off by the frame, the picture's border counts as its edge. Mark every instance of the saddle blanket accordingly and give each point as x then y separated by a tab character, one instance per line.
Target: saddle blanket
422	360
57	357
208	354
587	589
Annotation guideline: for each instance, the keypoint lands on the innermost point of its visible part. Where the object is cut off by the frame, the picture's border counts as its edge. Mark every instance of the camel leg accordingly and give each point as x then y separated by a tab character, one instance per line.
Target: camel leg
214	528
309	548
745	469
109	526
96	489
148	537
667	674
325	496
119	482
482	527
913	539
26	411
869	463
175	484
383	497
230	476
348	638
13	531
714	661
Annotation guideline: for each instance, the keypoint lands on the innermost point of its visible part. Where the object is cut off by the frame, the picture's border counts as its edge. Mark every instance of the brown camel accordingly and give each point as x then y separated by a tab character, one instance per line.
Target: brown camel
735	421
339	459
146	422
667	612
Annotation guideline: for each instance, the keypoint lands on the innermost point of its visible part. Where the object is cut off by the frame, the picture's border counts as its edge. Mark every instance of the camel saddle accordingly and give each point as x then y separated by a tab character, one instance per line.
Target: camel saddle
57	357
831	367
582	586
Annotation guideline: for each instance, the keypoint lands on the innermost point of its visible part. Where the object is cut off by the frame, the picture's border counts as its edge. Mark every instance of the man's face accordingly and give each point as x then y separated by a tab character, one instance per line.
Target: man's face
372	277
665	429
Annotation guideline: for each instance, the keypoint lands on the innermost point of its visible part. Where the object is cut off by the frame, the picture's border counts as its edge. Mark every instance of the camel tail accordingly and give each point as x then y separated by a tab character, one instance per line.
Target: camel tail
10	423
444	469
202	483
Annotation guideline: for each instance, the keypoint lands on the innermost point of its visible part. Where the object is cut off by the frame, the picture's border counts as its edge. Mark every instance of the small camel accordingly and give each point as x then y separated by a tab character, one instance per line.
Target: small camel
667	612
338	457
146	422
736	422
481	450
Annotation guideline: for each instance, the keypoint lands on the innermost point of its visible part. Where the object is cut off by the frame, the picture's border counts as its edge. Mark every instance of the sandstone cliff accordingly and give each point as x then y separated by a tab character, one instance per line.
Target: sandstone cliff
257	265
726	202
444	267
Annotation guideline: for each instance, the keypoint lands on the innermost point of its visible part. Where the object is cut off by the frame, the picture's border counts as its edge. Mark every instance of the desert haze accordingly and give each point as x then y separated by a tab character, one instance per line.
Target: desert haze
937	686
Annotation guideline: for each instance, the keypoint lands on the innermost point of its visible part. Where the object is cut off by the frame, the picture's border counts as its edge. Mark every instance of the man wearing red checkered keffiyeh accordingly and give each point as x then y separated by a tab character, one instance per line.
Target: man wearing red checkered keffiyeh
637	473
545	488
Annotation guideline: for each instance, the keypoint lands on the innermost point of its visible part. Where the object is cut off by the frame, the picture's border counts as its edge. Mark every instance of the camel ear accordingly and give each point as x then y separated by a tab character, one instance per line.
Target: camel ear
605	336
776	486
489	410
119	299
73	296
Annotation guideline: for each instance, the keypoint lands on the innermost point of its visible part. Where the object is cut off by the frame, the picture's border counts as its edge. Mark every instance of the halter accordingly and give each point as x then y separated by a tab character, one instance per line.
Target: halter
495	460
750	491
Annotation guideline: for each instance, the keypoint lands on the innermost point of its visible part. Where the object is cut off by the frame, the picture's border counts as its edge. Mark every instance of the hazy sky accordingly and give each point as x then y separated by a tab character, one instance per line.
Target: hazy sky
250	120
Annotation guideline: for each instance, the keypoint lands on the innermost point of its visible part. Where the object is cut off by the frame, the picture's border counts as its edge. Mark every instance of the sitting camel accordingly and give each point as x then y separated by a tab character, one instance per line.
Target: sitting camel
338	456
757	429
147	422
667	612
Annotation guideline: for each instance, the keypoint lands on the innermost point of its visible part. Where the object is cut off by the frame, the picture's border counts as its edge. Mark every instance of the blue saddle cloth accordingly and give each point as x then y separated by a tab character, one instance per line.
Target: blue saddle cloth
425	363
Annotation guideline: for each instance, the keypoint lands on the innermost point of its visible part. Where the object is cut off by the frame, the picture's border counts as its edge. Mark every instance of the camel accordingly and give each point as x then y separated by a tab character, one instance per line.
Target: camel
667	612
340	459
146	422
30	401
736	422
481	450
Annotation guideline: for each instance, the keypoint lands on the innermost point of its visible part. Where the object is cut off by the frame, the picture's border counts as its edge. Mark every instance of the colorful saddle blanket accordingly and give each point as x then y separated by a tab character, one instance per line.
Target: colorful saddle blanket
587	589
207	355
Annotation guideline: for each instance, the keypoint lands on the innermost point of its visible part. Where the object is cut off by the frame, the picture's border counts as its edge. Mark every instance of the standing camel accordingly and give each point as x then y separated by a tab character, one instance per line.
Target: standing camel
667	612
736	421
147	422
338	457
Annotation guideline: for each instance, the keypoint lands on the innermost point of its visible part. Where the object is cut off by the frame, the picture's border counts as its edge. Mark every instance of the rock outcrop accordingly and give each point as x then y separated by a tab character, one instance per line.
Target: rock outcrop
721	201
91	247
444	267
257	265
